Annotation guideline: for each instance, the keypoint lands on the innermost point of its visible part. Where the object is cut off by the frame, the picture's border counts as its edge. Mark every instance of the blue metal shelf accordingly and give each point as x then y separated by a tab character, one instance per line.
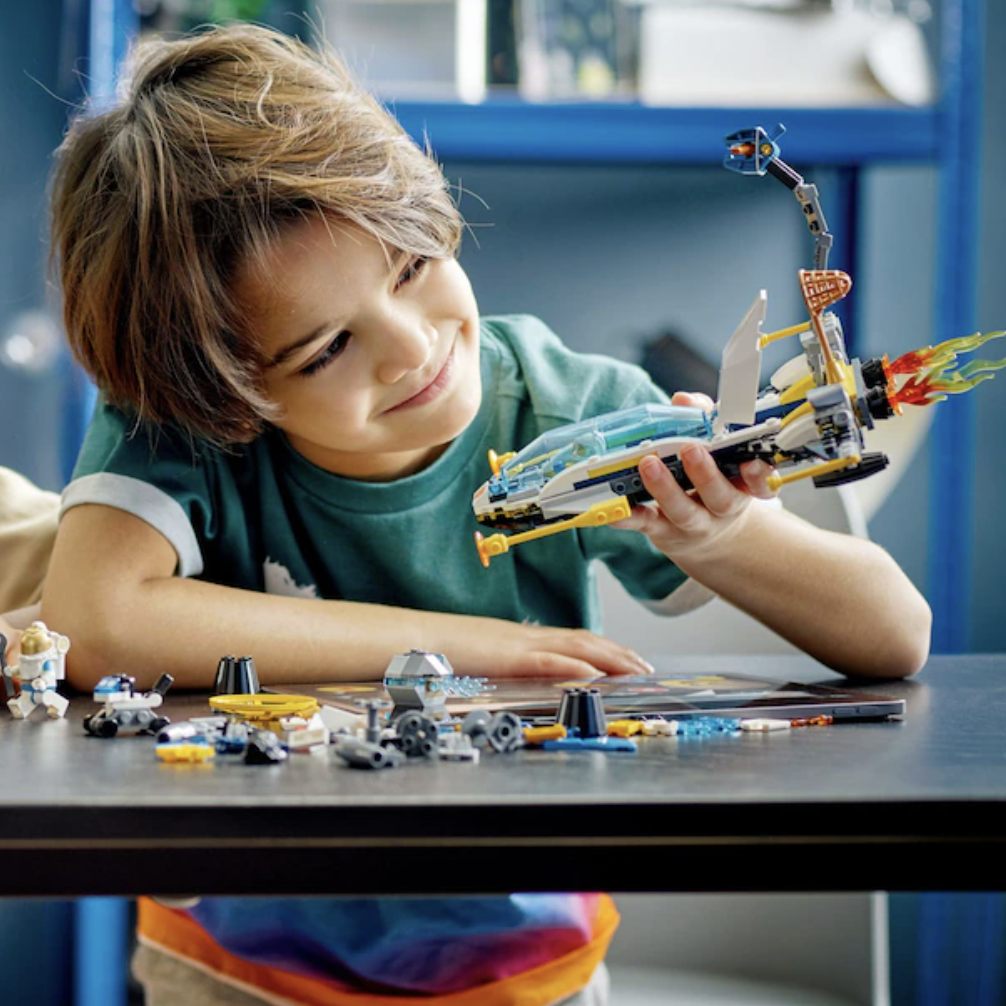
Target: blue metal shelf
507	129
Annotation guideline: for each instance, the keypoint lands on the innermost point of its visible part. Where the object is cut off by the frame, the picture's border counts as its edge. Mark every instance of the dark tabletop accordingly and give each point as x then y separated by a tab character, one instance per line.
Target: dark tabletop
915	804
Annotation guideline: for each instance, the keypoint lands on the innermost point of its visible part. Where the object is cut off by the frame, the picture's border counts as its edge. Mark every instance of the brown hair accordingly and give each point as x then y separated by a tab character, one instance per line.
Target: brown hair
222	138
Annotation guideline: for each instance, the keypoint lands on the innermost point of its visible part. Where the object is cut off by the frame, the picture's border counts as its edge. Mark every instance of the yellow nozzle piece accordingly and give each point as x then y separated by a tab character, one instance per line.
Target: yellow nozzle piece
783	333
497	461
495	544
776	482
599	514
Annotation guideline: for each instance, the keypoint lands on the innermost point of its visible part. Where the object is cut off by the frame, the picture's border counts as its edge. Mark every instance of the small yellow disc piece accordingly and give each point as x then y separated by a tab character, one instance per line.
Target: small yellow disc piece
264	706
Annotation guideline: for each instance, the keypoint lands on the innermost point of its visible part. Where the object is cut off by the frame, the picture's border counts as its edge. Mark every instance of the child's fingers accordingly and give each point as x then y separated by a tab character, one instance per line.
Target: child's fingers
693	398
674	502
600	652
544	664
755	476
719	496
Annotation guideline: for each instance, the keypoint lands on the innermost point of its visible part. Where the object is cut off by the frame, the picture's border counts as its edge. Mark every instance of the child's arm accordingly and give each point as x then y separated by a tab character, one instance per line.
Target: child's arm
111	589
841	599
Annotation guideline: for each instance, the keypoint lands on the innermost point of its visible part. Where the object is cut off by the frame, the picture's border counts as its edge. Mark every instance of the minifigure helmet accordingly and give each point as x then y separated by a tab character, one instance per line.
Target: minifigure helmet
36	639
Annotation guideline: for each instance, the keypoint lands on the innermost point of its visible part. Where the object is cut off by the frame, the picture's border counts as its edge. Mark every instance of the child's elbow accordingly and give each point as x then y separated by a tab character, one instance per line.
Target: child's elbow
905	650
88	658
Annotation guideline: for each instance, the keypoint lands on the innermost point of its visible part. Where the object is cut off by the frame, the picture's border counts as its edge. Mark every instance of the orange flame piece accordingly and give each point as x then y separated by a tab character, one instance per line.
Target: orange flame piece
934	374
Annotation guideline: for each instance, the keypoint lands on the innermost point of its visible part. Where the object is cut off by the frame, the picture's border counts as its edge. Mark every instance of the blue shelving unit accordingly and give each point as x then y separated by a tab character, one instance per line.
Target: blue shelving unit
506	129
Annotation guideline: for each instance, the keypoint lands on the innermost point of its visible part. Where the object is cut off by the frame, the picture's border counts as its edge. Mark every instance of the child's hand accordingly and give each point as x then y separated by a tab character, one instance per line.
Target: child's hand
694	525
484	647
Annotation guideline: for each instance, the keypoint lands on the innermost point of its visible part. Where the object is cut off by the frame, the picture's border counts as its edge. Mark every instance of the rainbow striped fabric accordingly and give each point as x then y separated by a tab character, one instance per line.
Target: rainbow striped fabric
526	949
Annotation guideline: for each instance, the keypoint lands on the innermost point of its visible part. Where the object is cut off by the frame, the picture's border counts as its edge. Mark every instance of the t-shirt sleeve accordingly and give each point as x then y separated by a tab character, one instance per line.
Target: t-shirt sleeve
159	477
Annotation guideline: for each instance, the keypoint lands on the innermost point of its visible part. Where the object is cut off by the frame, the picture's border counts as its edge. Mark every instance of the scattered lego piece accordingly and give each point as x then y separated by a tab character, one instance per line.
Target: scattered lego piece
232	739
340	721
209	723
264	748
624	728
42	664
357	753
707	726
175	733
417	735
607	744
659	728
373	730
185	752
124	709
476	725
236	676
814	721
505	733
422	681
456	746
535	736
764	725
264	707
582	711
301	734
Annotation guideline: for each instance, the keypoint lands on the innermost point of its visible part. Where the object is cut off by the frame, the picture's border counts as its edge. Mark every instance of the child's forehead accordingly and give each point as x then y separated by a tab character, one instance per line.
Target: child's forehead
309	245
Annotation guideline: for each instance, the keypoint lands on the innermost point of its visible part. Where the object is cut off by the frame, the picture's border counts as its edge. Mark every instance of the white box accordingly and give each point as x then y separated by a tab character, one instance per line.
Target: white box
412	48
698	56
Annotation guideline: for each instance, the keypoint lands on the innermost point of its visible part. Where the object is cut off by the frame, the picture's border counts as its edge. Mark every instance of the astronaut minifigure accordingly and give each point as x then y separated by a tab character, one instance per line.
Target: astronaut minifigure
42	664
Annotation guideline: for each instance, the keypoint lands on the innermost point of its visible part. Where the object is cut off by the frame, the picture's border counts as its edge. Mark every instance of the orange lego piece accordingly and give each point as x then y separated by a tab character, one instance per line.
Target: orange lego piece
536	735
624	728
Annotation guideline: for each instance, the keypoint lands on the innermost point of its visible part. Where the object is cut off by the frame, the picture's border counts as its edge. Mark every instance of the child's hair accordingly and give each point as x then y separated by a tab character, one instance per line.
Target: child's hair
221	139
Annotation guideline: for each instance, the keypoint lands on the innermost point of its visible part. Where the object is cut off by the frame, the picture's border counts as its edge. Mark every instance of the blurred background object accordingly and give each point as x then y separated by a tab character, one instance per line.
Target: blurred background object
575	48
430	48
808	54
31	342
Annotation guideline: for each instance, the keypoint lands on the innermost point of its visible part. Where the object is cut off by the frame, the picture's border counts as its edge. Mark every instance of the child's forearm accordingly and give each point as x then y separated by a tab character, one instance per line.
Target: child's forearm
183	627
110	589
841	599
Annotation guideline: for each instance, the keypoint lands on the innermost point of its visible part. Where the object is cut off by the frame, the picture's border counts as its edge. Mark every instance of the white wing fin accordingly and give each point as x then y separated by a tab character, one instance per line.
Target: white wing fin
740	369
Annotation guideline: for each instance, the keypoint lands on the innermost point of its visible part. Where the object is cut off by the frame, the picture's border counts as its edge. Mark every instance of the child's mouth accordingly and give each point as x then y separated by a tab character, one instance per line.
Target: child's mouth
432	390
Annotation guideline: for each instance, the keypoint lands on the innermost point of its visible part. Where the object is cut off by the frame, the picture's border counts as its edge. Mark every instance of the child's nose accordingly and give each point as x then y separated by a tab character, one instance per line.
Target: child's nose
407	347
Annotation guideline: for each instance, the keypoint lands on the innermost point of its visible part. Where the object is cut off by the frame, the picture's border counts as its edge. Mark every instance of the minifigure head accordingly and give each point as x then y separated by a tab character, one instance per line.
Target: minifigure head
36	640
244	188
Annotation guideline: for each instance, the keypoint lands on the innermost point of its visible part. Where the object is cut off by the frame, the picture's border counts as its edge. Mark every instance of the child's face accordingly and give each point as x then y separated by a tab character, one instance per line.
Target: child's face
376	366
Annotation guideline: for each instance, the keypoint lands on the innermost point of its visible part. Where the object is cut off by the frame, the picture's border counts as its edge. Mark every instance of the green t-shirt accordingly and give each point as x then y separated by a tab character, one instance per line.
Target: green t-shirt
262	517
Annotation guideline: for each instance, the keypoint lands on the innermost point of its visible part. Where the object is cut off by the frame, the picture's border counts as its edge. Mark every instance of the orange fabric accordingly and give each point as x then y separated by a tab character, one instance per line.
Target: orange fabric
174	932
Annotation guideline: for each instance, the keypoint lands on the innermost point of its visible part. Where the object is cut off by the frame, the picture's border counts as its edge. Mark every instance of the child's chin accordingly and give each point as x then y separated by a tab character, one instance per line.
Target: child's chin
466	409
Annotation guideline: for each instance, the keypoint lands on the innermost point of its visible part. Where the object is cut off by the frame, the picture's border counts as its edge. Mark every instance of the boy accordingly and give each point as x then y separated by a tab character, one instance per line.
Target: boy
258	270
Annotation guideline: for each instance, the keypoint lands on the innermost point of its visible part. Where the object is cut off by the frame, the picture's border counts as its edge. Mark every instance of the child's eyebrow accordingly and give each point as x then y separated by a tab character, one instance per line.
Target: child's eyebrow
287	351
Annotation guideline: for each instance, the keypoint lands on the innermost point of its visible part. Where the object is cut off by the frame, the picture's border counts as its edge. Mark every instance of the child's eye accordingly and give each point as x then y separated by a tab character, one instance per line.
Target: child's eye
332	350
411	271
